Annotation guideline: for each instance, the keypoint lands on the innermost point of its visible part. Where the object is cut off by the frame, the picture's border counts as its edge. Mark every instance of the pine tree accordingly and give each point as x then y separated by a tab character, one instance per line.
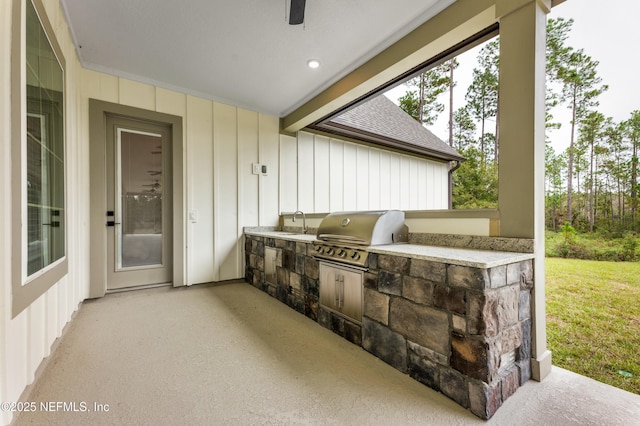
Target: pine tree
632	132
422	103
581	87
452	65
591	131
464	129
616	168
556	54
482	94
554	165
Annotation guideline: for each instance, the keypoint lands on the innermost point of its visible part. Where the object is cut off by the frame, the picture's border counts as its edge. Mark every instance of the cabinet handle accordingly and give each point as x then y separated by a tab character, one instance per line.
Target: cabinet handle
341	291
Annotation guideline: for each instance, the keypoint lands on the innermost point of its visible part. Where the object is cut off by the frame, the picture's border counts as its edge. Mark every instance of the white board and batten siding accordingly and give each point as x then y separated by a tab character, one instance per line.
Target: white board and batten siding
220	144
321	174
26	339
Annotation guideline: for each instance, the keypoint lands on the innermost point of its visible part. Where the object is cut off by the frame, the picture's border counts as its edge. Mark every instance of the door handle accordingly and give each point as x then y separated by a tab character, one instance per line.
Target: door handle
110	213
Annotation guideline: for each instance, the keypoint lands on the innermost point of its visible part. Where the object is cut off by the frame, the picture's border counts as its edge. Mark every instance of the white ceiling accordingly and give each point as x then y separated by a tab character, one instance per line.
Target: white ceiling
240	52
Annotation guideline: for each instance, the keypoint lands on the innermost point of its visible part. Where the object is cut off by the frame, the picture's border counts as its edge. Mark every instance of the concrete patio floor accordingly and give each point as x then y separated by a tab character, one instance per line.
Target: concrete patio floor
230	354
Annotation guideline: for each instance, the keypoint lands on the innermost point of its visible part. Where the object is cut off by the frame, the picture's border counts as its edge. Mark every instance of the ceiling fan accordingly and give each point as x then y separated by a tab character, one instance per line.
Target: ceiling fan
296	12
155	185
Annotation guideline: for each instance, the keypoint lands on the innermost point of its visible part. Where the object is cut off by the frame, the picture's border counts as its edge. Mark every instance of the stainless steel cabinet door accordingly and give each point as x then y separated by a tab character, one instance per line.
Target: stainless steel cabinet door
341	290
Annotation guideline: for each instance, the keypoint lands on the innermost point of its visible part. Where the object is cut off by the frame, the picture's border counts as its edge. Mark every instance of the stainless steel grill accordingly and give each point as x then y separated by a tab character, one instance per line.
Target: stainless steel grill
344	236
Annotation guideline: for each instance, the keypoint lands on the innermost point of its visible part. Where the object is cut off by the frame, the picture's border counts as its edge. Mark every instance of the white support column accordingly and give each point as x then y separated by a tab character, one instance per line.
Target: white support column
522	144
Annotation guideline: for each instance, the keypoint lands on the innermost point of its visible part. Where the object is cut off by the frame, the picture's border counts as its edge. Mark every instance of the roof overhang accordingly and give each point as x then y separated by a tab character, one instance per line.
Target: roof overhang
372	138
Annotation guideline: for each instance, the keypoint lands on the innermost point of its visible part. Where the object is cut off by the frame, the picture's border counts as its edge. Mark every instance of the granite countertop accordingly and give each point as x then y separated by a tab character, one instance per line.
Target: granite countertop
457	256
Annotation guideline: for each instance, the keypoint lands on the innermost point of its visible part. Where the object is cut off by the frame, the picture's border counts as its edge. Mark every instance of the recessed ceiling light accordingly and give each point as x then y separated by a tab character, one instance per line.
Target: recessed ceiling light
313	63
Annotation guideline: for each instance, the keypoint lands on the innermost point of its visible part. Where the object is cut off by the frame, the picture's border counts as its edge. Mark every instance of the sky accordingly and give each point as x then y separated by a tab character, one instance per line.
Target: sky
606	31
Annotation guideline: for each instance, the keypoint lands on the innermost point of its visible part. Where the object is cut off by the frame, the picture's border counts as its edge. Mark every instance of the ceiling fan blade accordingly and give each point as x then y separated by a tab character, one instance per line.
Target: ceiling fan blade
296	14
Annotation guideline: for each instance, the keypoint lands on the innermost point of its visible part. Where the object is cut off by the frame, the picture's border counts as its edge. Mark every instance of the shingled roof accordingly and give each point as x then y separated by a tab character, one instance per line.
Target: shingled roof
381	121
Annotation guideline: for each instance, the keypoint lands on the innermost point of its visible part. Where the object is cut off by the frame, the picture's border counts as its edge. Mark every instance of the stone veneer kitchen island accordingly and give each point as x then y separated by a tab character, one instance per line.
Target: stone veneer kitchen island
457	320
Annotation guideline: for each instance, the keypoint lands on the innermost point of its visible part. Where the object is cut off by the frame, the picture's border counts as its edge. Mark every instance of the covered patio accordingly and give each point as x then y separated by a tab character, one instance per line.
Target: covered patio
209	357
243	153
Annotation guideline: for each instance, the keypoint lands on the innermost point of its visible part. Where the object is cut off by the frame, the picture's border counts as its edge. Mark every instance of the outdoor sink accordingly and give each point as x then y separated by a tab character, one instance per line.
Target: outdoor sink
287	235
300	234
295	235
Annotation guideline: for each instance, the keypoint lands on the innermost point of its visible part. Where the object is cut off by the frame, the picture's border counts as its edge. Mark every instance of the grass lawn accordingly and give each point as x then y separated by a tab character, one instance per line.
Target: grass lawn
593	319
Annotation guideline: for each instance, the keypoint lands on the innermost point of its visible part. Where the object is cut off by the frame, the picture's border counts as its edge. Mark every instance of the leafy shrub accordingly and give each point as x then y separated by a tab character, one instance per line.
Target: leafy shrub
607	254
592	246
629	246
568	247
576	250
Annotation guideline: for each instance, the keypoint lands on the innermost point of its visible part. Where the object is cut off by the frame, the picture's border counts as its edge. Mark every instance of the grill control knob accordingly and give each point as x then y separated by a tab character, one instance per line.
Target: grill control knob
342	253
355	255
318	249
330	251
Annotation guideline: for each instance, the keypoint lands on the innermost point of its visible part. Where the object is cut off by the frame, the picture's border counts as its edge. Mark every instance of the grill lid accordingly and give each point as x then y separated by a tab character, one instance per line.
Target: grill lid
367	228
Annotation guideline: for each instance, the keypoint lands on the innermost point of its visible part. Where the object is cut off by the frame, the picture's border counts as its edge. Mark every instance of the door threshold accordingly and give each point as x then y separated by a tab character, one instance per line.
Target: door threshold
138	287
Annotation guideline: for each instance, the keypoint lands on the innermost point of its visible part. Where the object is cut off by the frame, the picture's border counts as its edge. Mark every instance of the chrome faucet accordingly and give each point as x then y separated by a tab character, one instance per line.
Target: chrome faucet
304	220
